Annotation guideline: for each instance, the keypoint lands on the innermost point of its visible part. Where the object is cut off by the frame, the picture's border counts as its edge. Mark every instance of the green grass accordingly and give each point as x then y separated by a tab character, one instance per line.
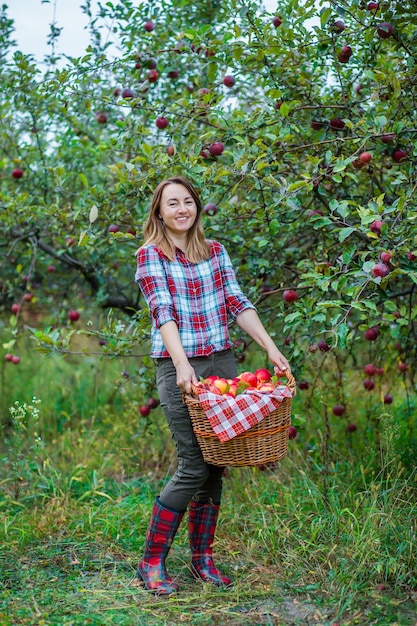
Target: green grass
327	536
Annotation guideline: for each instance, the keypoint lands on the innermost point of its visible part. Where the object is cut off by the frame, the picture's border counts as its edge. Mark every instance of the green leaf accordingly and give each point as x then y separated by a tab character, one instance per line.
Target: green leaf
146	149
297	185
284	109
344	233
325	16
93	214
291	317
83	240
348	254
83	179
274	226
342	333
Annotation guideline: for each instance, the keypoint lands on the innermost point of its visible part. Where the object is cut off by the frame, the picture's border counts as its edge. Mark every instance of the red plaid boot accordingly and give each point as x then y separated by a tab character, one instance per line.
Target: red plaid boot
202	521
161	532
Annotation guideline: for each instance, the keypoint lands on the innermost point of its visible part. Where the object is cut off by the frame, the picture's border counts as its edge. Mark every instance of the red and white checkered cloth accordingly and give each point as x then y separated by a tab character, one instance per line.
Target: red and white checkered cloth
230	417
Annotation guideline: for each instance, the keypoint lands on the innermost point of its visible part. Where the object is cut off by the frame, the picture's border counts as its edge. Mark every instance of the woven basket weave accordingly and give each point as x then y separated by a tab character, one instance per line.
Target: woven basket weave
264	443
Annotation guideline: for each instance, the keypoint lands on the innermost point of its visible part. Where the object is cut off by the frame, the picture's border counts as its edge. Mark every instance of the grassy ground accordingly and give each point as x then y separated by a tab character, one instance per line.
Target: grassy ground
328	536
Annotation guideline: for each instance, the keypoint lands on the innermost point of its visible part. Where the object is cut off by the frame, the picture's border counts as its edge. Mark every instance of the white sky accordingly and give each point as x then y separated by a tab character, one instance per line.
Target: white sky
32	19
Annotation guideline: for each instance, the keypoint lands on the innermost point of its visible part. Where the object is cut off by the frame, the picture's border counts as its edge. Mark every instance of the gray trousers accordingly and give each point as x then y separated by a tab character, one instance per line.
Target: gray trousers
194	478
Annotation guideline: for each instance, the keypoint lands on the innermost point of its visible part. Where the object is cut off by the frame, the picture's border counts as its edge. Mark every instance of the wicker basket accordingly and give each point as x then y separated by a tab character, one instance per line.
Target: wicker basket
264	443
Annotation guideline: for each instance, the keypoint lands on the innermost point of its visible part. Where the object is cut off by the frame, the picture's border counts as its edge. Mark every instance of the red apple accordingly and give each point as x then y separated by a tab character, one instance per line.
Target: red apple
210	379
365	157
51	269
17	172
249	377
15	359
351	428
277	21
215	390
398	156
380	269
73	315
28	297
101	117
173	74
153	76
388	138
113	228
229	80
153	403
323	346
339	410
303	384
339	26
372	333
289	295
369	369
266	387
376	227
385	257
380	371
8	357
170	150
149	26
161	122
144	410
388	399
411	256
316	125
373	6
402	367
336	124
222	385
70	241
385	30
127	93
292	432
216	148
369	384
210	209
346	51
15	308
263	375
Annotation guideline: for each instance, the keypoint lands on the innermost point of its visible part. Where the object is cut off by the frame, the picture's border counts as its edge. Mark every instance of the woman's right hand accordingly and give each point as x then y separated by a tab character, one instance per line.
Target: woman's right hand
185	376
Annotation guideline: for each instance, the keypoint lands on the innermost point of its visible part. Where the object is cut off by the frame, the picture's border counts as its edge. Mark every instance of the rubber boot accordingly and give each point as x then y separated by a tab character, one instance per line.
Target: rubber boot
202	522
160	534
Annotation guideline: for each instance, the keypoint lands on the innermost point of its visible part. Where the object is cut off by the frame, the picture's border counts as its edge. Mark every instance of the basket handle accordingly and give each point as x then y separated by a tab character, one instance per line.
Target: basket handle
291	383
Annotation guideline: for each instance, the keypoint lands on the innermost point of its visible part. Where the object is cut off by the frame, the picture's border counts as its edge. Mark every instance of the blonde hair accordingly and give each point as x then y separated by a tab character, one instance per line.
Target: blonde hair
154	231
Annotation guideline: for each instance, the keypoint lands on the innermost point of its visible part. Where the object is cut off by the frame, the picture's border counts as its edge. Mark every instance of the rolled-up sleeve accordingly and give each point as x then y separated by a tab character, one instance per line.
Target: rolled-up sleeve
152	280
236	301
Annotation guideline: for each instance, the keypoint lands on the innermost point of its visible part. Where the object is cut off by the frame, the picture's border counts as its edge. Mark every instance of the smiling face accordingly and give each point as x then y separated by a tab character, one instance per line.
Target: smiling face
178	211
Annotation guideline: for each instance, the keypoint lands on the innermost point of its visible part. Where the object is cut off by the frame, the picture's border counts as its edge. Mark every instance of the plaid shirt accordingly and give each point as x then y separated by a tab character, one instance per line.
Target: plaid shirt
198	297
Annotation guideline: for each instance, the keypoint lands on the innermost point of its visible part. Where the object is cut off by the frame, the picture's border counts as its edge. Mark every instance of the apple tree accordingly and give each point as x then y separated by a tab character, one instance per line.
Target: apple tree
299	129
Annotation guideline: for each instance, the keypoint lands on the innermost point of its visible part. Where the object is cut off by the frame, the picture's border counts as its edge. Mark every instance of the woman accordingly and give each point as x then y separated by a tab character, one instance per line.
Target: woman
191	290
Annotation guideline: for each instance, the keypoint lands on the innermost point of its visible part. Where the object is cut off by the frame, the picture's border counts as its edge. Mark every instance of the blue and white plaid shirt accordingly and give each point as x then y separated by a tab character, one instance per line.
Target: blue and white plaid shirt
199	297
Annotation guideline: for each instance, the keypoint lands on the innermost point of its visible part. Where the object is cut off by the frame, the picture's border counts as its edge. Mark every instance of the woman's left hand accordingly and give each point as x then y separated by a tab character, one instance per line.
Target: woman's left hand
281	365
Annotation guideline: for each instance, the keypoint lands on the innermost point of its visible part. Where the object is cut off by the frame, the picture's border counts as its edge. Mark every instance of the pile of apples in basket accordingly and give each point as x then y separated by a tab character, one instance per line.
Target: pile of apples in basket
260	380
